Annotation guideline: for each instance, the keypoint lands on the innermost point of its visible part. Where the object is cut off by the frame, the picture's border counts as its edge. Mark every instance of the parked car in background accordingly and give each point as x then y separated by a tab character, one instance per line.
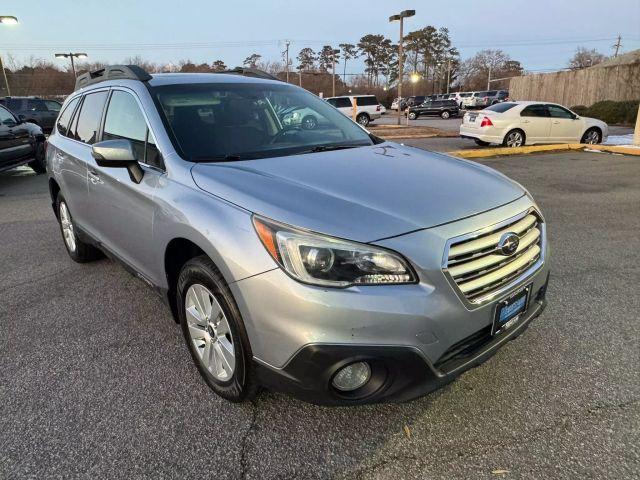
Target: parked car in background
20	143
441	108
36	110
514	124
490	97
326	263
412	101
369	108
468	100
459	97
395	105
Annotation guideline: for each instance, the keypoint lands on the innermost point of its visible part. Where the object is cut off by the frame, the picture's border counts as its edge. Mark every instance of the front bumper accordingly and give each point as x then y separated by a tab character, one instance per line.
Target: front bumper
291	325
399	373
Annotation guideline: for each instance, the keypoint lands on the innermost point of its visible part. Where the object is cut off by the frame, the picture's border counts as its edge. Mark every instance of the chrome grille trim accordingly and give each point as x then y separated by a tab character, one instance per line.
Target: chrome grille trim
479	274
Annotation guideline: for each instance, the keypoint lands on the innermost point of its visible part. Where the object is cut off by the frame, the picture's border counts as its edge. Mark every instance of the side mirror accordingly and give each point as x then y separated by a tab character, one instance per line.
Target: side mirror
118	154
22	117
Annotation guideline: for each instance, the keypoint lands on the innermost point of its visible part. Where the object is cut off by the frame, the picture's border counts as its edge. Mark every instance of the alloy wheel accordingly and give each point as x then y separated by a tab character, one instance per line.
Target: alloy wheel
592	137
514	139
209	332
67	227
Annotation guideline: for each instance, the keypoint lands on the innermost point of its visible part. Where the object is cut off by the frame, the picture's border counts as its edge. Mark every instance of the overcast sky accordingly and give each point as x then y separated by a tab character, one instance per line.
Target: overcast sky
542	34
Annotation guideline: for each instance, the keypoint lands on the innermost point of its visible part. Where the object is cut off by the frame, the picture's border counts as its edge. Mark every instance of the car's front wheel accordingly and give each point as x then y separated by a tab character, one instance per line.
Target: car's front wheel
38	164
514	138
445	114
591	136
214	332
413	115
78	250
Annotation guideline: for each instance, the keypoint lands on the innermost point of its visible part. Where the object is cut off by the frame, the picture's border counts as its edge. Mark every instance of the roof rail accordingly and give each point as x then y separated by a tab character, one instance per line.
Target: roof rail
112	72
251	72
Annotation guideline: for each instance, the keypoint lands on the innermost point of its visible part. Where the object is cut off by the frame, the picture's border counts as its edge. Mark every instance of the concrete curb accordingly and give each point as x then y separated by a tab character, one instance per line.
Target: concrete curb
496	152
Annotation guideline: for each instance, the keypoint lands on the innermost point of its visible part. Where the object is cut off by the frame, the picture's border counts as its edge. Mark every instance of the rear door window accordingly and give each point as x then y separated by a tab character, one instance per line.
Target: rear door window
65	118
14	104
88	123
502	107
535	111
558	112
52	106
343	102
36	106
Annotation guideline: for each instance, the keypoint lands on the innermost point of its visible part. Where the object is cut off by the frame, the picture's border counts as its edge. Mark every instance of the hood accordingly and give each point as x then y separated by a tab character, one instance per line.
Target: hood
362	194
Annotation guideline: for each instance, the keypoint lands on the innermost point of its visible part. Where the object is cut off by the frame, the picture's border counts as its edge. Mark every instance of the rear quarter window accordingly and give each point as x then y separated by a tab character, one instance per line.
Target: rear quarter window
65	117
501	107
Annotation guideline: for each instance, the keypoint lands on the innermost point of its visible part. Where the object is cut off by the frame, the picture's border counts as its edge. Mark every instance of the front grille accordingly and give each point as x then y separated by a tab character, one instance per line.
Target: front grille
477	268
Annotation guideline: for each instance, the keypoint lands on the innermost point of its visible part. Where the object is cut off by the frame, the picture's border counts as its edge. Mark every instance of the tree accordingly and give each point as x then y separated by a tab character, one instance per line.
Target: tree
474	72
306	59
252	60
377	51
326	58
584	58
218	66
349	51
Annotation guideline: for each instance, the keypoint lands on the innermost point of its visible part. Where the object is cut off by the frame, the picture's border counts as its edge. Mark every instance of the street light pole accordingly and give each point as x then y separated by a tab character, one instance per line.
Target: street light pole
401	16
71	56
6	20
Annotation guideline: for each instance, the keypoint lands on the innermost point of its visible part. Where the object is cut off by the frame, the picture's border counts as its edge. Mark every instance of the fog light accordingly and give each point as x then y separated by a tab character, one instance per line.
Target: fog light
352	376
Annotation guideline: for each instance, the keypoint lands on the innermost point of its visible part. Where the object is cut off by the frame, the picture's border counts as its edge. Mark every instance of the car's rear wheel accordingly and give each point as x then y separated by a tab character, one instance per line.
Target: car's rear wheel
514	138
309	122
592	136
363	119
481	143
413	115
214	332
78	250
445	114
38	164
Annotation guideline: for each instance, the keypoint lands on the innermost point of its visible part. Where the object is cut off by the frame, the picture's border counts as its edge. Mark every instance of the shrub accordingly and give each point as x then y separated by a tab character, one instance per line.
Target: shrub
611	112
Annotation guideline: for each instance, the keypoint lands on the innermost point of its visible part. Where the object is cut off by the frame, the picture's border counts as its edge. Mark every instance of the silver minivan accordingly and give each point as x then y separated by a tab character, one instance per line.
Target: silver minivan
326	262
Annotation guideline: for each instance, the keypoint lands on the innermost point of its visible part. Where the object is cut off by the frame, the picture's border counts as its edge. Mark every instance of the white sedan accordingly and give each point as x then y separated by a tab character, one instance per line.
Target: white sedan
514	124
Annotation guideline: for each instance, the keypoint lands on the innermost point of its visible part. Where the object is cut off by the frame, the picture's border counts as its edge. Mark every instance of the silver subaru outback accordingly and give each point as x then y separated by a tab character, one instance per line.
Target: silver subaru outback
307	257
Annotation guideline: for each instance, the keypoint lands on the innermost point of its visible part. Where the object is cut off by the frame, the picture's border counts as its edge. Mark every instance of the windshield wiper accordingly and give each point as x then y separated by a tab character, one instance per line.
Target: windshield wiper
230	157
327	148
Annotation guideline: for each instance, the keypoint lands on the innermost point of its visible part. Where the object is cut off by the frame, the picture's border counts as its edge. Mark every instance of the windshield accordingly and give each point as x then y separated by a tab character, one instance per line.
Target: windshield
225	121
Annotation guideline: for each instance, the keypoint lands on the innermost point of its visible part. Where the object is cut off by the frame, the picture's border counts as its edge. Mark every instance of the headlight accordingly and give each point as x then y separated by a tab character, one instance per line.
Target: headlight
321	260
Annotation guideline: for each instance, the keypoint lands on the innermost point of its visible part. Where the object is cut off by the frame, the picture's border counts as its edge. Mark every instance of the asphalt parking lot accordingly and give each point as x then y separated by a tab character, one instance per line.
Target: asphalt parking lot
95	380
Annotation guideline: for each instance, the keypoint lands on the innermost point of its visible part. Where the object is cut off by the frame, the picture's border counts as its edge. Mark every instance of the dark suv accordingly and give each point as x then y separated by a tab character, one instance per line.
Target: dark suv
442	108
36	110
412	101
20	143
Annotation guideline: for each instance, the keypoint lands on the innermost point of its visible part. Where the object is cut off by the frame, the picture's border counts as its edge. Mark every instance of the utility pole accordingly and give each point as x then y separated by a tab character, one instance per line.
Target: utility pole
448	73
286	59
333	70
489	79
401	16
7	20
617	46
4	74
71	56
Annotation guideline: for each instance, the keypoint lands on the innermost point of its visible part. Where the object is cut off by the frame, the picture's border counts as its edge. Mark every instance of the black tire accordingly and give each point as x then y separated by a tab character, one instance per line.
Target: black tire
39	164
309	123
592	136
363	119
445	114
507	138
243	384
413	115
83	252
481	143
